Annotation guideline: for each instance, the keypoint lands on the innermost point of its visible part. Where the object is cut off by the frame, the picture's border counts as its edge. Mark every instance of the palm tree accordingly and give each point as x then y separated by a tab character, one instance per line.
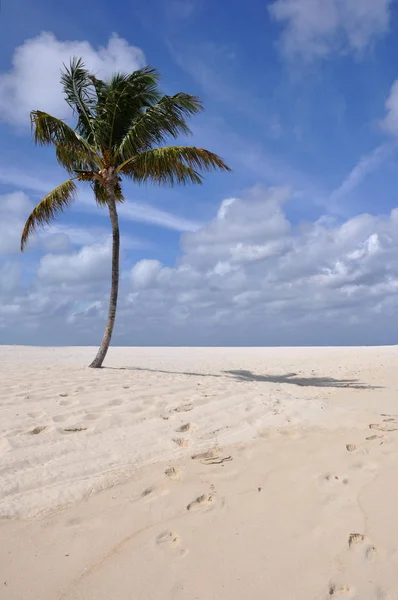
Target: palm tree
121	124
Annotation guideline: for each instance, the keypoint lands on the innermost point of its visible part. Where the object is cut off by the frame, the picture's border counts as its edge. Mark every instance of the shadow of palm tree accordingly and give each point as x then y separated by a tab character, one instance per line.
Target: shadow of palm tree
148	370
294	379
242	375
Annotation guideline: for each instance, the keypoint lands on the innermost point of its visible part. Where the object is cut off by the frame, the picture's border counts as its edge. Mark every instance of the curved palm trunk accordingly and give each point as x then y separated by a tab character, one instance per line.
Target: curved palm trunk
106	340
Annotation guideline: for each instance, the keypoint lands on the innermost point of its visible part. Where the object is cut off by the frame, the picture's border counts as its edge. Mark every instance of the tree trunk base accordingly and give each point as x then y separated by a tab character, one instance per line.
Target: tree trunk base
95	365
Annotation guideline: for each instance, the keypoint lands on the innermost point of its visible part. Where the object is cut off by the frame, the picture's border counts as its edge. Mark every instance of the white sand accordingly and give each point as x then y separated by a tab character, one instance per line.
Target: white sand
271	515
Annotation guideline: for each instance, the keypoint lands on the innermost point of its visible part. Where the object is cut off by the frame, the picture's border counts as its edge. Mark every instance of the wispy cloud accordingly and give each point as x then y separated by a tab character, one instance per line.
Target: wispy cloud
145	213
19	179
366	165
390	122
81	236
316	28
132	211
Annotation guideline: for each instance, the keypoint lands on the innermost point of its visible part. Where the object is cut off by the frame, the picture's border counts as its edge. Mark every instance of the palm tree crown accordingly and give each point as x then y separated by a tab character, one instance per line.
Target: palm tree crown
120	125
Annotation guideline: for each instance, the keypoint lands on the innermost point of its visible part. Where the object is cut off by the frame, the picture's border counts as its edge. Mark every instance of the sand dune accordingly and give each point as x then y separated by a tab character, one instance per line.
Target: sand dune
223	473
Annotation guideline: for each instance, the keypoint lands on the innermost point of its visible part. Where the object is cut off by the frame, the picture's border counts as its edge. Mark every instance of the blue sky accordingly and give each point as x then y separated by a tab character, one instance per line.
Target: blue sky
297	246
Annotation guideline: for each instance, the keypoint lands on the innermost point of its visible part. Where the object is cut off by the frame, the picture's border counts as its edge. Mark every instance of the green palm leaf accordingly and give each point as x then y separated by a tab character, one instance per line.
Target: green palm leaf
164	119
47	209
122	101
172	164
72	150
78	89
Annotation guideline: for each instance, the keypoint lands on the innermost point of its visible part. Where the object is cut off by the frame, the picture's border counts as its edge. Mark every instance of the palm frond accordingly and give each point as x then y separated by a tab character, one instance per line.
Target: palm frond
122	101
80	95
98	85
167	118
47	209
71	148
178	173
172	164
73	159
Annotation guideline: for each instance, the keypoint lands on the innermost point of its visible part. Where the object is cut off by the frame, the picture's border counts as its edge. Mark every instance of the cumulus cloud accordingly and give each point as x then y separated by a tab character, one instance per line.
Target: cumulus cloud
289	285
249	276
145	272
88	264
33	81
315	28
14	209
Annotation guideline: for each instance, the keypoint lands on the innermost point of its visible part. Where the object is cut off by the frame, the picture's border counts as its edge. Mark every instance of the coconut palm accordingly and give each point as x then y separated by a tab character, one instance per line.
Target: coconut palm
121	126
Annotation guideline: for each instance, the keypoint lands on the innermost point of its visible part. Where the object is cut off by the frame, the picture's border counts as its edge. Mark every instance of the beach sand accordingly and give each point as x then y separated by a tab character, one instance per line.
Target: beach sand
199	474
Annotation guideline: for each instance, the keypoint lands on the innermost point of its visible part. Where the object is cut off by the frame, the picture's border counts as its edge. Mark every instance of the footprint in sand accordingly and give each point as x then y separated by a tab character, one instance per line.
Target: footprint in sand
184	407
330	478
37	429
351	447
65	403
115	402
153	492
168	537
384	426
147	492
171	541
182	442
213	452
59	418
173	473
184	428
203	501
355	538
339	590
92	416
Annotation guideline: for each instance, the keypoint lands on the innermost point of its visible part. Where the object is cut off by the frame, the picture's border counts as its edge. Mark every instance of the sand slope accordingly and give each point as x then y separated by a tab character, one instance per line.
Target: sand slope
291	492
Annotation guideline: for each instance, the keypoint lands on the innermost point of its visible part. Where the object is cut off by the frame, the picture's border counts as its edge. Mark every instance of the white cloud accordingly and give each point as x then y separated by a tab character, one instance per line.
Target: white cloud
14	210
144	273
10	274
145	213
21	179
33	81
130	210
366	165
315	28
248	276
91	263
390	122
